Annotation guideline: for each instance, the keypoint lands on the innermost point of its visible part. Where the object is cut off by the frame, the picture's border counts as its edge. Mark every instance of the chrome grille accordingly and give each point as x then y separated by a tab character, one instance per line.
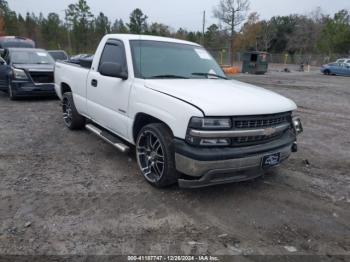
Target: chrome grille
256	122
263	122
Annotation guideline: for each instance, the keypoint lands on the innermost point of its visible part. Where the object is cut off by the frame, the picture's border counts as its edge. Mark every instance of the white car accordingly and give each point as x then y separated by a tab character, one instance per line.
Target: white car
171	100
343	61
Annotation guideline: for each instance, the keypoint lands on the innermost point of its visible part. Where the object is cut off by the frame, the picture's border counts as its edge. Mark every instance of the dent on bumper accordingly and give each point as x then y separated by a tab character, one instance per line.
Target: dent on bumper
197	168
231	165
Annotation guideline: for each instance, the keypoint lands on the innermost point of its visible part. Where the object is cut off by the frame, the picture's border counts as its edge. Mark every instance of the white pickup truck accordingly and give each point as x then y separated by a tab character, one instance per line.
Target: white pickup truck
171	100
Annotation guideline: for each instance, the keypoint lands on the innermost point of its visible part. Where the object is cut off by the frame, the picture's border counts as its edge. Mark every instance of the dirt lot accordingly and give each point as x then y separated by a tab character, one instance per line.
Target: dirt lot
68	192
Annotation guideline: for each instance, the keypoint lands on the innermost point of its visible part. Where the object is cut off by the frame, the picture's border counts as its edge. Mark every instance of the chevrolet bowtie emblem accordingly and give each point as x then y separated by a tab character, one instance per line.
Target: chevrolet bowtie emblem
269	131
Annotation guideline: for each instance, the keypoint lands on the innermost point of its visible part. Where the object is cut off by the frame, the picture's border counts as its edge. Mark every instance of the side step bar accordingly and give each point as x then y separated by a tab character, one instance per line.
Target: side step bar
108	137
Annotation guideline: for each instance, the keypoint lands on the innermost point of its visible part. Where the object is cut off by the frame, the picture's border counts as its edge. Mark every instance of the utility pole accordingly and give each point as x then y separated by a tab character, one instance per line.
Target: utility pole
68	31
204	20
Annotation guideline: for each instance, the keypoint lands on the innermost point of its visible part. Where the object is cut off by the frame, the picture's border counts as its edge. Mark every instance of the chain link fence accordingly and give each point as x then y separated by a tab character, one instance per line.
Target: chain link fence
222	56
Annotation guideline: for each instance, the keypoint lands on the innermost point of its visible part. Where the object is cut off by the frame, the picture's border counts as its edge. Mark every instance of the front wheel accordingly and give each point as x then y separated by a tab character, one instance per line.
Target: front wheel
155	155
327	72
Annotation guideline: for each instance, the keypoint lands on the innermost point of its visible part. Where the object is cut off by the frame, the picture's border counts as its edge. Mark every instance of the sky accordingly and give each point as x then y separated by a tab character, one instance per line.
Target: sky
187	14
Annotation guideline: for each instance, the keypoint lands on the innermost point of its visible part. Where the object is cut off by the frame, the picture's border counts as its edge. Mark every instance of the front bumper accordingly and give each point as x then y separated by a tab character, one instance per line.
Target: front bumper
27	88
215	166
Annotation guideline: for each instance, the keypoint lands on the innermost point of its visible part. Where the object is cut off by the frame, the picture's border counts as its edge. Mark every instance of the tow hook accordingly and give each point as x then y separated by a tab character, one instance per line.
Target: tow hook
295	147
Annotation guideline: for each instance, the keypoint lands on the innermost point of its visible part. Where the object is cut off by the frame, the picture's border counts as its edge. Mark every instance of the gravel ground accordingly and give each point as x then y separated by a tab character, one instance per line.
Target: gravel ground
65	193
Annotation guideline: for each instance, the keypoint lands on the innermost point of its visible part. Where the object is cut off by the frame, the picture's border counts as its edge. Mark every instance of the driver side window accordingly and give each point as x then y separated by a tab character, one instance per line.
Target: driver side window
114	52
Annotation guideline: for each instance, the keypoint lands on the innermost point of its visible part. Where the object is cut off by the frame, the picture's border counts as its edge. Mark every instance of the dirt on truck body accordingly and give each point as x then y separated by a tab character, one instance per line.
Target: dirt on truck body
70	193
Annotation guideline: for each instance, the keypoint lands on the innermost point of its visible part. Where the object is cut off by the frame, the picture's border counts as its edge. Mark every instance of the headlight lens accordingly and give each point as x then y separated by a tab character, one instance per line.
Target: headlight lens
210	123
19	74
215	142
298	127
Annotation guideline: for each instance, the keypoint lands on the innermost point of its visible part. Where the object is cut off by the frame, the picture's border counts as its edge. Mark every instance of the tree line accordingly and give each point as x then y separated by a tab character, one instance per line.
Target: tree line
238	29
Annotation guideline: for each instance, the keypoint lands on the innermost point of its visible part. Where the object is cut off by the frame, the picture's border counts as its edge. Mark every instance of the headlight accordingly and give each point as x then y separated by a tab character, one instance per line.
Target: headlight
297	125
208	142
19	74
215	142
210	123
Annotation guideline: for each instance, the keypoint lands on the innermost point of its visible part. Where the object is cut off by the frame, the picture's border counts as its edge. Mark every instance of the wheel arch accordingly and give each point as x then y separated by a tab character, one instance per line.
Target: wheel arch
143	119
65	88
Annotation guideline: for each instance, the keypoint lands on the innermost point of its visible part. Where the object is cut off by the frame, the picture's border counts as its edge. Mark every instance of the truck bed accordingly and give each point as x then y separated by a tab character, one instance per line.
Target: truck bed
73	76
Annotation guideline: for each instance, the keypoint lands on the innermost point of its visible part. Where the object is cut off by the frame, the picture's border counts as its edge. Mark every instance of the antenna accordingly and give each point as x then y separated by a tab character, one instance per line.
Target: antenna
203	27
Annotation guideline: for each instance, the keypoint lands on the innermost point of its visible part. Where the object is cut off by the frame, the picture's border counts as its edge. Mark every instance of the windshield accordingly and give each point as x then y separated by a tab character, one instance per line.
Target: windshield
31	57
154	59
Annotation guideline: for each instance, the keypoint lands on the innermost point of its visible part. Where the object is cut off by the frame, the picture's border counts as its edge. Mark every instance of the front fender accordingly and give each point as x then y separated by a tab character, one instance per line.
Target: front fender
170	110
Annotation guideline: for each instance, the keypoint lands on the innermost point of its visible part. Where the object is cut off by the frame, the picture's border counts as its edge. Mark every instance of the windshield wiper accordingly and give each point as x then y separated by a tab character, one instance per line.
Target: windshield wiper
169	76
209	74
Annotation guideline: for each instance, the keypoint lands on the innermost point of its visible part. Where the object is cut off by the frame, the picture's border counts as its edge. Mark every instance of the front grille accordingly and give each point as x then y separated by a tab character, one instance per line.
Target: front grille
259	122
42	77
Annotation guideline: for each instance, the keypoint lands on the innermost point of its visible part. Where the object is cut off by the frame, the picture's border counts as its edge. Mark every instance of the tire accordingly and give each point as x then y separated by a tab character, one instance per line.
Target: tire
72	119
12	96
327	72
155	155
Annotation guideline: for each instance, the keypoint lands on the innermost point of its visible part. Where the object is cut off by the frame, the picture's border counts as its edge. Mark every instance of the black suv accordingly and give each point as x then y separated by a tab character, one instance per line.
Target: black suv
27	72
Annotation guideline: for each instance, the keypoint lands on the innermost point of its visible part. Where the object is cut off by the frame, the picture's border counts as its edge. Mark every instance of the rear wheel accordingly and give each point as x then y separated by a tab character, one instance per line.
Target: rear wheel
71	117
155	155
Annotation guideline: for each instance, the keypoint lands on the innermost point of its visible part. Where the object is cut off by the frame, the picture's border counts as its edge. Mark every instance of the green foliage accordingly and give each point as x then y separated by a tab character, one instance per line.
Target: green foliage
80	19
102	26
159	29
283	26
138	22
80	31
335	36
52	29
119	27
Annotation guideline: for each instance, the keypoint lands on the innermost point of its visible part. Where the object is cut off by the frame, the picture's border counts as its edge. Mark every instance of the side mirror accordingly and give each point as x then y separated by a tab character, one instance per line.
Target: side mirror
113	70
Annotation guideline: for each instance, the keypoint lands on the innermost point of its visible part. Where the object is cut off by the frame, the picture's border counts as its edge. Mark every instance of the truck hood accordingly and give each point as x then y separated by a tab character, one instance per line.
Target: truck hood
223	97
35	67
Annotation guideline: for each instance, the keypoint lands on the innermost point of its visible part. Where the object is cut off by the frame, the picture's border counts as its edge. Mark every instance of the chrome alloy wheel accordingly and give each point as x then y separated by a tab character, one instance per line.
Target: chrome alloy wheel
67	112
150	156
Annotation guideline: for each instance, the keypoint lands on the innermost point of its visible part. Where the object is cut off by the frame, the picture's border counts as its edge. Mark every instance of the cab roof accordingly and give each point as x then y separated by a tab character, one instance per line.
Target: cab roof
127	37
25	49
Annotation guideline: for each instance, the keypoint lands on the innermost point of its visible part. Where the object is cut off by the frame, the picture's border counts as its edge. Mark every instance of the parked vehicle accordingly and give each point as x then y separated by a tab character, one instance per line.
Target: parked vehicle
59	55
81	57
15	41
336	69
343	61
170	99
27	72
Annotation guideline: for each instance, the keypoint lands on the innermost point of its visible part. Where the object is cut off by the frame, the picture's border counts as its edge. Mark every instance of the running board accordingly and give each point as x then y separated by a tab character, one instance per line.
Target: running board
108	137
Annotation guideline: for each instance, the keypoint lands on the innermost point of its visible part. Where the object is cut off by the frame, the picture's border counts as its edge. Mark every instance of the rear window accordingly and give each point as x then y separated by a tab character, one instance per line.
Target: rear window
58	55
13	42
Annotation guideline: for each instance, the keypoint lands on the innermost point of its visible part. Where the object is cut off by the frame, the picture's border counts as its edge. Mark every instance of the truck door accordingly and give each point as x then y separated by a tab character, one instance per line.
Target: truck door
108	97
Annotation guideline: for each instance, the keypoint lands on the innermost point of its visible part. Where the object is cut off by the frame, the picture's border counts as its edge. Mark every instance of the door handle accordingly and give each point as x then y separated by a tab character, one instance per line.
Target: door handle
94	82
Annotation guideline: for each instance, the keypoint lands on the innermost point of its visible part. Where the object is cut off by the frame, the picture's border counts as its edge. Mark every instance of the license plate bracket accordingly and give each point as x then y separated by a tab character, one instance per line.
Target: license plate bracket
271	160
